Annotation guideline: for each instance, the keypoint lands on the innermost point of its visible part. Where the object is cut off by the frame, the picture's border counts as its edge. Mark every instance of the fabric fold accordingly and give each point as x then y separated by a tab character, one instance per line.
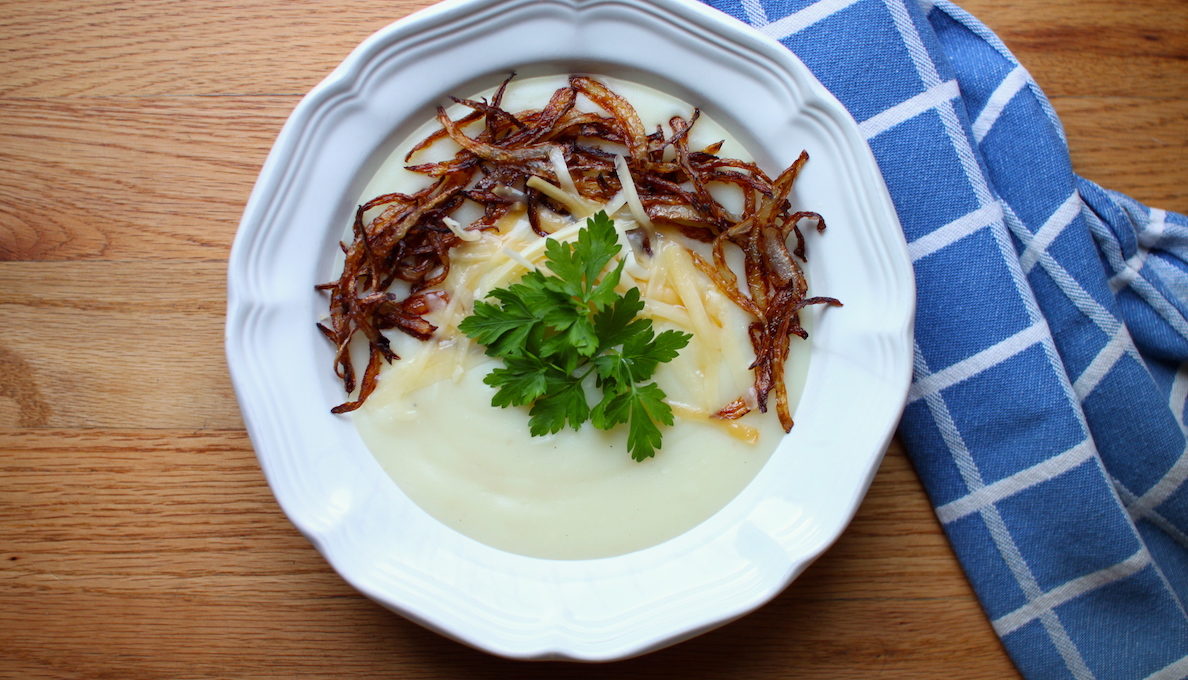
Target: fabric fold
1047	413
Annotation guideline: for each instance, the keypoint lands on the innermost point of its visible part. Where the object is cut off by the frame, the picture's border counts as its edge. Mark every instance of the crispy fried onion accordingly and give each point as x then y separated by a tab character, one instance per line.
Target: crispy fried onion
403	241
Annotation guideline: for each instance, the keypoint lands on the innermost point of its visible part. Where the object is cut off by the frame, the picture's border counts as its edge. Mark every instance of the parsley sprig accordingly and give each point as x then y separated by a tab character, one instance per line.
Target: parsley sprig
558	332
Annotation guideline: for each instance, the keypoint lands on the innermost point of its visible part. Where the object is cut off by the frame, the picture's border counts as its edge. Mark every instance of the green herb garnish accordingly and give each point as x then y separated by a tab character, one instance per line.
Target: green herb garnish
553	331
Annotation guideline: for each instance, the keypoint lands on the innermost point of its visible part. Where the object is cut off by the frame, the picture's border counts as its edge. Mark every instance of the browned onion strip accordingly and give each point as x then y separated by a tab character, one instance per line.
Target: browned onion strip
728	288
445	168
407	241
781	187
706	160
680	129
719	245
472	117
734	410
490	152
493	114
560	104
703	200
390	232
584	124
620	109
384	199
534	212
438	135
778	261
365	242
675	214
757	278
369	383
744	182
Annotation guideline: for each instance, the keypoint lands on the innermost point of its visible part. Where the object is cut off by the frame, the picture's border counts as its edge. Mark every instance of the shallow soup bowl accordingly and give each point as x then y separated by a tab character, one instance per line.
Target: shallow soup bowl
382	543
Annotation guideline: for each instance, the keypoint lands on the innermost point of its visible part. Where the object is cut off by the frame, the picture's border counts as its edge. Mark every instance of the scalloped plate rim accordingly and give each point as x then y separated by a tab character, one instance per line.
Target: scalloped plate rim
244	302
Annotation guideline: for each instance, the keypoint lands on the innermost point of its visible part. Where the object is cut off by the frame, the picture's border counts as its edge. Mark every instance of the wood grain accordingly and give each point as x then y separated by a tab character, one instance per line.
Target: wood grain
138	538
148	178
115	344
1130	145
167	178
1095	47
171	542
56	48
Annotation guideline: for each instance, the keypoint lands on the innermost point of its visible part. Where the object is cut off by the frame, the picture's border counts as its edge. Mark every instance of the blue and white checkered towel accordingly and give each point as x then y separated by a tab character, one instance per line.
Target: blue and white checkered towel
1047	413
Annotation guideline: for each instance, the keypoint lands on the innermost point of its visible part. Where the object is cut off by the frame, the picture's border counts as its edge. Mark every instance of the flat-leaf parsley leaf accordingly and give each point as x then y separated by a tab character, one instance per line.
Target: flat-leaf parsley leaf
560	331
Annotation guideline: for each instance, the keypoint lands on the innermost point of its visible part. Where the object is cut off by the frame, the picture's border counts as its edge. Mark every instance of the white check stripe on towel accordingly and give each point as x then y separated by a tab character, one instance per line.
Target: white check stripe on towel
1004	542
1050	230
802	19
971	366
1010	86
1102	364
1143	288
910	108
1009	486
1065	592
1167	485
1070	287
756	14
1133	265
1179	395
1035	461
1177	670
1137	512
954	231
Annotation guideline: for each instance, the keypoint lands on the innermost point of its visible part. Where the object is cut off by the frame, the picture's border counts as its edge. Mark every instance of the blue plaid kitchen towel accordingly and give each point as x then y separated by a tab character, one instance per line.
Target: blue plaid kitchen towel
1047	412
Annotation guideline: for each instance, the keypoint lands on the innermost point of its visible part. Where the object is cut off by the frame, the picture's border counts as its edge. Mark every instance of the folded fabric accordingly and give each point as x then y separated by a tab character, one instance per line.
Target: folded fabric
1047	412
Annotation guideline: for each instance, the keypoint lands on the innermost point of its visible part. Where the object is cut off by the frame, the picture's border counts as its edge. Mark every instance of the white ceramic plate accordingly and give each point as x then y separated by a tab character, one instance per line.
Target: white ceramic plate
332	488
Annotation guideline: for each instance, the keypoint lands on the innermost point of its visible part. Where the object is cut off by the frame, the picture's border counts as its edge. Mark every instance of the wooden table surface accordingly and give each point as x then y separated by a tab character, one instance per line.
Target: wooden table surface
138	538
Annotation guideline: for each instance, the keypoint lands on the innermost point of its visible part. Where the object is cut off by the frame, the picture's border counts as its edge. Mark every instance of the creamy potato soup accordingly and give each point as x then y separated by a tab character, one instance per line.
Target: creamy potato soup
570	495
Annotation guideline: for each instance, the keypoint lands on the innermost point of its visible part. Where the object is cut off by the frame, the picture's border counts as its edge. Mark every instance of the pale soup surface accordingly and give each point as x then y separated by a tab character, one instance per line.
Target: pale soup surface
572	495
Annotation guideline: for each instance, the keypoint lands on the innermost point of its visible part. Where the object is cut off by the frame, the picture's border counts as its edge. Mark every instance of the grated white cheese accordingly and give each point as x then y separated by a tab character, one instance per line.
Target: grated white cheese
515	255
464	234
578	206
615	203
632	196
557	157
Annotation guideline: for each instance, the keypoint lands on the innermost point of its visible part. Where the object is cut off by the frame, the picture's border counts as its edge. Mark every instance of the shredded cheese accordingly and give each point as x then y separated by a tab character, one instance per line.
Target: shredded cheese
536	246
615	204
658	283
675	293
632	196
557	157
520	259
464	234
671	313
578	206
734	428
683	276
